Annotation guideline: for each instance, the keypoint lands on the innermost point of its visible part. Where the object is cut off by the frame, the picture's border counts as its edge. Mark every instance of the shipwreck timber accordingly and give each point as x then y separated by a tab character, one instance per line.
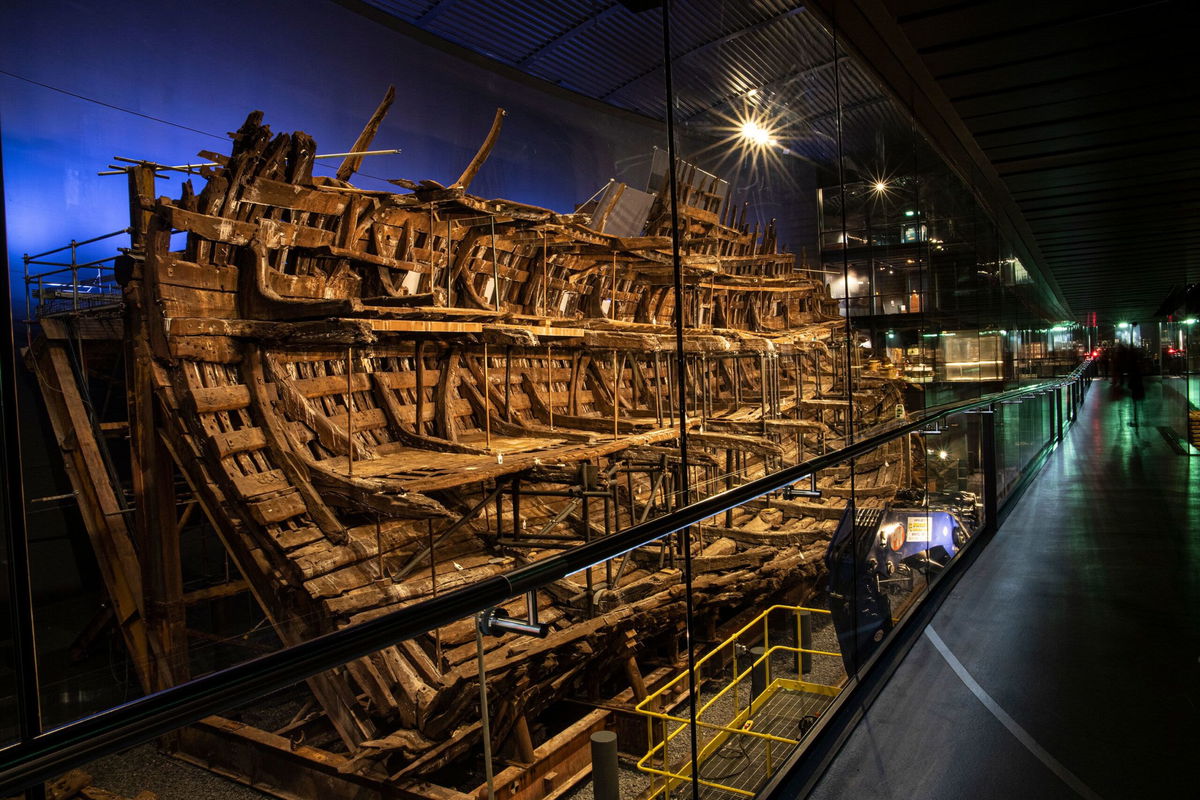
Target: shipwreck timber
377	396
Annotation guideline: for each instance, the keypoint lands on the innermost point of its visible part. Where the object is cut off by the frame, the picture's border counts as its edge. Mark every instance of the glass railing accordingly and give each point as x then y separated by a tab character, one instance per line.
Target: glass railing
857	536
624	327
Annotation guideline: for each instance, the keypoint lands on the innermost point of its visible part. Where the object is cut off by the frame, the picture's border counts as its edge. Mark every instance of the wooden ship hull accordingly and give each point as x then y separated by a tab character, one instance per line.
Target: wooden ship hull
376	397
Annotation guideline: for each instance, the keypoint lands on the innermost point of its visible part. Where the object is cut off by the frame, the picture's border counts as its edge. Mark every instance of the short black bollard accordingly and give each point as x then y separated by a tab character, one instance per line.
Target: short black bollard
605	785
758	675
805	642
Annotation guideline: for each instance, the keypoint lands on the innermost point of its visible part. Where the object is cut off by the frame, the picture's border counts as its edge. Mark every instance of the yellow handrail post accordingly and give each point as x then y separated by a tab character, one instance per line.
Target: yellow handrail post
650	744
767	646
799	648
737	690
665	744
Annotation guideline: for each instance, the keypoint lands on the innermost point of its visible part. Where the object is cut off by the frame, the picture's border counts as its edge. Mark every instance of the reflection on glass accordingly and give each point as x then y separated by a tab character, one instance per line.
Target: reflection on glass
358	382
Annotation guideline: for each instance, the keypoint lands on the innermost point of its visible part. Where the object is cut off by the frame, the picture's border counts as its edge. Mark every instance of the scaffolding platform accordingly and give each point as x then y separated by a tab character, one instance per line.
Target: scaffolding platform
748	721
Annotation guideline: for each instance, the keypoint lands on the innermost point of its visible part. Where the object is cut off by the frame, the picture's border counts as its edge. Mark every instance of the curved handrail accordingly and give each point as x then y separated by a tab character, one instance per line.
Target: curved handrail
68	746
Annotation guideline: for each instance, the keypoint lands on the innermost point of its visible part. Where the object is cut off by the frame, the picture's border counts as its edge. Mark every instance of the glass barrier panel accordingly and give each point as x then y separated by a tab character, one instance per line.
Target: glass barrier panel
960	477
890	537
1008	458
1024	428
282	382
9	728
317	375
768	657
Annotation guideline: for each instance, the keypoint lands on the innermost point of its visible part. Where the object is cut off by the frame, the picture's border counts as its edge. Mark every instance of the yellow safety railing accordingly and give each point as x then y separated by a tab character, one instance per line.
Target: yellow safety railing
663	727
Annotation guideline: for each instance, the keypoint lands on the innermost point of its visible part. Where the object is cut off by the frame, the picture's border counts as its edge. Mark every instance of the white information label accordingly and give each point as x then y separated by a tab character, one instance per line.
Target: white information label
918	529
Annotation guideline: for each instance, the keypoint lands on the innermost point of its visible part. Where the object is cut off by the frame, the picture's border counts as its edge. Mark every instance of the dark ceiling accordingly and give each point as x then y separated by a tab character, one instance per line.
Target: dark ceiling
1088	111
1086	108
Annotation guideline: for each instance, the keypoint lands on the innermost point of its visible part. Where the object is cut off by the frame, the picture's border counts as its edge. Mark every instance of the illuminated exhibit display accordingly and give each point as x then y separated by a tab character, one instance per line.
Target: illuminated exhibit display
534	301
378	396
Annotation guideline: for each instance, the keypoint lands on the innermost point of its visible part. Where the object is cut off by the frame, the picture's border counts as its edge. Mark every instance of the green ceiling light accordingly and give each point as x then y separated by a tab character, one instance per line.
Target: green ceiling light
910	213
1122	325
1189	321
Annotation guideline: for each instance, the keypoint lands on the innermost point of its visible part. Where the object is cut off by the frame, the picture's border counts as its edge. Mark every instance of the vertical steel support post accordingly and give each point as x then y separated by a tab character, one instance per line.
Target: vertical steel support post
1058	413
991	477
484	716
449	265
758	676
74	278
804	639
680	360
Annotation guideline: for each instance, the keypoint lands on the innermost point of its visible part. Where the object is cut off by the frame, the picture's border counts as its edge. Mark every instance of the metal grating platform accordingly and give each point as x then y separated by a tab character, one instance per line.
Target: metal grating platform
746	762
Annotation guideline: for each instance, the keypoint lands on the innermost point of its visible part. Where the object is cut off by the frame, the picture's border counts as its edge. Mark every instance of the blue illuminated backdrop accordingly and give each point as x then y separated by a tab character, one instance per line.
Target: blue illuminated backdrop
81	82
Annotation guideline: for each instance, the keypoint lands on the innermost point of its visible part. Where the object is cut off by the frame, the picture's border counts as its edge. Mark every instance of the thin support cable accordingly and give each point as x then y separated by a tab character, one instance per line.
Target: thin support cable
837	99
681	383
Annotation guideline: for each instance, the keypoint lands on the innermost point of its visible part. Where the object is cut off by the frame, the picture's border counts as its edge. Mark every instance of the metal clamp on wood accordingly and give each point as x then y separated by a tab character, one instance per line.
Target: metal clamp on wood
791	492
494	622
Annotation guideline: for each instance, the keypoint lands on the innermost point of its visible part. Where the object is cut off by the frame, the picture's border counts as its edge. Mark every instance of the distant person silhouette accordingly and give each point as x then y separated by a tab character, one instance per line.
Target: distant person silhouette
1137	388
1122	359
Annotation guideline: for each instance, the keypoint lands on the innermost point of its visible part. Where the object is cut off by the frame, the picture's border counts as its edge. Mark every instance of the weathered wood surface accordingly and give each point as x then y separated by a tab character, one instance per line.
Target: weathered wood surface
378	397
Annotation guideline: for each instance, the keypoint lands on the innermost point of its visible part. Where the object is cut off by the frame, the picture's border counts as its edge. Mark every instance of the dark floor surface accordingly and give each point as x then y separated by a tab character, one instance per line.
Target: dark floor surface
1079	625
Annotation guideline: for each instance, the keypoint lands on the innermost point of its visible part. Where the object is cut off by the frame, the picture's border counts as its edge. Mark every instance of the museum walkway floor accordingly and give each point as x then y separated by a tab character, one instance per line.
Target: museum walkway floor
1065	662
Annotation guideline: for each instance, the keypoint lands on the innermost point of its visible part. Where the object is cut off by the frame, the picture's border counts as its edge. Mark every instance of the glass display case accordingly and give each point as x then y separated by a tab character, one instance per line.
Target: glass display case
468	287
971	356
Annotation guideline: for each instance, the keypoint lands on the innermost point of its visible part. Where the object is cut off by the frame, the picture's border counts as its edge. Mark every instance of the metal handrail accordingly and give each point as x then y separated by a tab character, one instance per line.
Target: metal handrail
102	287
65	747
73	244
649	705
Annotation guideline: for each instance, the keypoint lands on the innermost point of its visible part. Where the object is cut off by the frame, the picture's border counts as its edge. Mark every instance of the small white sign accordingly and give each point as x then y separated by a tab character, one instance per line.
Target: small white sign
918	529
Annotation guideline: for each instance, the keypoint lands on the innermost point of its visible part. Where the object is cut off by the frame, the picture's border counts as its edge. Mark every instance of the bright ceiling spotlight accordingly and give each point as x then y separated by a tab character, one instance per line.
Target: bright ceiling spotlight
754	133
752	139
880	186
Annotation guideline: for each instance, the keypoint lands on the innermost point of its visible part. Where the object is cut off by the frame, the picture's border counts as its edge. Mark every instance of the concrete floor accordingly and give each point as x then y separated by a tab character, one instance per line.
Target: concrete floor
1065	662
